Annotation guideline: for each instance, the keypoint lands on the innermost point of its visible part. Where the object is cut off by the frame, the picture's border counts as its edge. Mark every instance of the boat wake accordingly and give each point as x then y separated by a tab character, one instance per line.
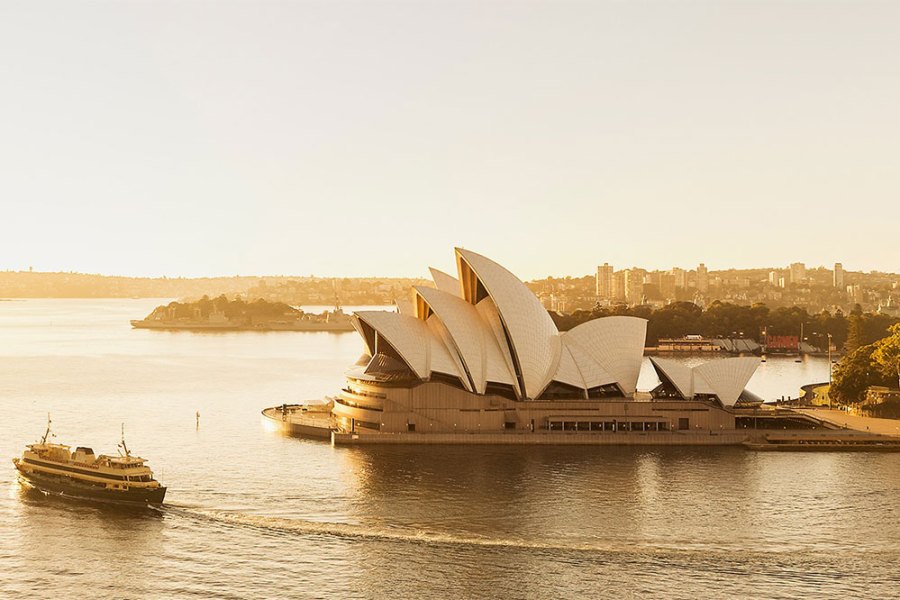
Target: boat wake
631	550
362	532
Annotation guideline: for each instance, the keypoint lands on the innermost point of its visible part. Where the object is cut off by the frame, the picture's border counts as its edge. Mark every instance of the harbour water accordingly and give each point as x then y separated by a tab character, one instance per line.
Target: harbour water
253	514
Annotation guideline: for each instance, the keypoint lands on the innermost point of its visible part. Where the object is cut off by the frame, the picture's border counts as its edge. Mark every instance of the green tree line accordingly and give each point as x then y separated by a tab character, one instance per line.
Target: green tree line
877	363
232	309
724	319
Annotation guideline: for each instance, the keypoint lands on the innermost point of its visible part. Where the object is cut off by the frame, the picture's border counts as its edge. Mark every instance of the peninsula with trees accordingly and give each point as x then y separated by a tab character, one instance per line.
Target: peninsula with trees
222	314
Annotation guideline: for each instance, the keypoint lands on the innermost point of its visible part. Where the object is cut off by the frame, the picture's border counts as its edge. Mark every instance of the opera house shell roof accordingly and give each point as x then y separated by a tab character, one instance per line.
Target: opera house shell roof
723	379
486	332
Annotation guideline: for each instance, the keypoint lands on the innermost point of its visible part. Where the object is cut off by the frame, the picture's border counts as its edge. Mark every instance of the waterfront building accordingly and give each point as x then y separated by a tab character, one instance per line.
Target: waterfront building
604	282
481	355
688	343
838	280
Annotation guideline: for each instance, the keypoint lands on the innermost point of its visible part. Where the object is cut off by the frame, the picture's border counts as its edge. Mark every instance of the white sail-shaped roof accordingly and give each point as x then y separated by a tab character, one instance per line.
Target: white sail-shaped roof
568	372
502	370
724	378
529	332
413	340
446	283
679	374
440	356
592	372
616	344
408	336
466	329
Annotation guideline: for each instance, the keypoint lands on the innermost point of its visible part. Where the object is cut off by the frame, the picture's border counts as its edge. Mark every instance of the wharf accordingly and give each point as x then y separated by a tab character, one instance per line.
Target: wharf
308	420
820	441
844	420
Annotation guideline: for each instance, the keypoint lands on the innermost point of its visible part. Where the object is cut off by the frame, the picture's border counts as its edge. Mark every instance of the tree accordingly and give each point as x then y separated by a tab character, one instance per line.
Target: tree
853	375
205	305
873	364
854	333
887	354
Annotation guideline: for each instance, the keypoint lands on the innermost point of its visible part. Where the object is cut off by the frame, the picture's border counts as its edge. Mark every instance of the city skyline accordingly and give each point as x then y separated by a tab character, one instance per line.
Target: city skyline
786	268
157	140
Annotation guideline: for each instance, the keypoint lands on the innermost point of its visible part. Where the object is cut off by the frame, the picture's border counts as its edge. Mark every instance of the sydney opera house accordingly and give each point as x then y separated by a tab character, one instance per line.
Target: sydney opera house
479	354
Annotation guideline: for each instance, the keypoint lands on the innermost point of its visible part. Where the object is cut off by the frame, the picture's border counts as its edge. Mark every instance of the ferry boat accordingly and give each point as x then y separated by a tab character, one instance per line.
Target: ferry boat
55	469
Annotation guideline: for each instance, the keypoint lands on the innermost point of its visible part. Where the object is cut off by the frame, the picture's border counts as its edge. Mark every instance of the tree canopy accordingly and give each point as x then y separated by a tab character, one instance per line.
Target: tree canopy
723	319
873	364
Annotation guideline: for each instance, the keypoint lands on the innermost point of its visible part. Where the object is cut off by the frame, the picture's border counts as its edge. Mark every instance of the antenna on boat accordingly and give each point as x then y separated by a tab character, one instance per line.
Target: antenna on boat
122	445
46	433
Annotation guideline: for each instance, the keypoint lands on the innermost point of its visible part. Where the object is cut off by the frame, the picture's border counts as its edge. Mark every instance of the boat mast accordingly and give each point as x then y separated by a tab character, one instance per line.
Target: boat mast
46	433
122	445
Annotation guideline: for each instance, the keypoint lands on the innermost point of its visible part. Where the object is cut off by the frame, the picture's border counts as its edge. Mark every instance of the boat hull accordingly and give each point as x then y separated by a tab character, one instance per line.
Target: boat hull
54	484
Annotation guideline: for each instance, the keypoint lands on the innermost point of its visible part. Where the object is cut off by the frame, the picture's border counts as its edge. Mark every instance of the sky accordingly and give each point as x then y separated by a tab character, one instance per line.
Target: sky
369	139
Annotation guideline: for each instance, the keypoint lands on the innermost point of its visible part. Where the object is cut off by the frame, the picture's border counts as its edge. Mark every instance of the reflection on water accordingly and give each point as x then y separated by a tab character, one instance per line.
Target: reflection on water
255	514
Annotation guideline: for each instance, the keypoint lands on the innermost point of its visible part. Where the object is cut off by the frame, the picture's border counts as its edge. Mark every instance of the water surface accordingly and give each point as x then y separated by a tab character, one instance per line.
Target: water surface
254	514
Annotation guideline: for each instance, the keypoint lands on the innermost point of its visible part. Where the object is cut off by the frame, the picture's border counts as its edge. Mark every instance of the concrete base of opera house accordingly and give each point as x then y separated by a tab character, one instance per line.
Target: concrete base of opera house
314	422
554	438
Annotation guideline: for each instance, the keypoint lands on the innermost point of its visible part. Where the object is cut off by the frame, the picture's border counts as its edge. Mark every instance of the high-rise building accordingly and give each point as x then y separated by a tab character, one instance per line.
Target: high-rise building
774	276
634	286
618	287
798	272
702	279
838	276
604	281
666	283
680	276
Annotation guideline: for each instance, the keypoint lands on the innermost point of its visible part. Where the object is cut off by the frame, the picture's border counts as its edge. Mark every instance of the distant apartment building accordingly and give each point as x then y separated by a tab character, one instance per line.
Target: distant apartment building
838	276
618	287
634	286
774	278
855	294
666	283
680	277
797	272
702	279
604	281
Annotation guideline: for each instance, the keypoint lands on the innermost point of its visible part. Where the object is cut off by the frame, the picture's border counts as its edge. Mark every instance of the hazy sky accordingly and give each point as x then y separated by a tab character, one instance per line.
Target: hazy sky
336	138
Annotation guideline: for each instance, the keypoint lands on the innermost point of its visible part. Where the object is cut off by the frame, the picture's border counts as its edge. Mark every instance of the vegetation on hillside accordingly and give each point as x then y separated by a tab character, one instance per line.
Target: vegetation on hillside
877	363
723	319
236	309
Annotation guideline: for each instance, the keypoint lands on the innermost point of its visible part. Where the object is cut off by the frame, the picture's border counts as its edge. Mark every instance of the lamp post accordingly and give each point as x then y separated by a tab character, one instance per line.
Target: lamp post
829	371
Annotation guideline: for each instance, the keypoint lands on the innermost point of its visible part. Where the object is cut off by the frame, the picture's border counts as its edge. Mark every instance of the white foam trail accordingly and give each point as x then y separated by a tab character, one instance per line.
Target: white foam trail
347	530
638	552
